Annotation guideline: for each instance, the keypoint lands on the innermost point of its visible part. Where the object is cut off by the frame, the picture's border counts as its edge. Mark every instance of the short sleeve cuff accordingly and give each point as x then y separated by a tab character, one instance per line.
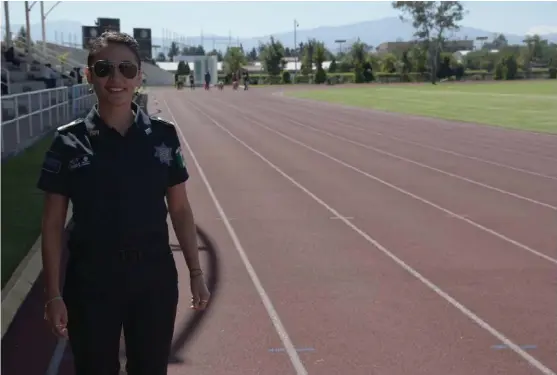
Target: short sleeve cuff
49	186
178	177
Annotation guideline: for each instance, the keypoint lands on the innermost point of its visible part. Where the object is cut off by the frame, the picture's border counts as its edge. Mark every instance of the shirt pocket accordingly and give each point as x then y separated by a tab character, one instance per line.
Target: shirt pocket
83	176
148	173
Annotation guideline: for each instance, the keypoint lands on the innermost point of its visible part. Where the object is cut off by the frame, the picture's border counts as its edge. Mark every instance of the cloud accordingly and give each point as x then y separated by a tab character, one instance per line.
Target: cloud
542	30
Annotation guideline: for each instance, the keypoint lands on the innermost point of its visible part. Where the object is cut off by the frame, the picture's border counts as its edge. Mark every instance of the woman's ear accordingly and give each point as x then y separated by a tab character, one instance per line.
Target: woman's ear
88	75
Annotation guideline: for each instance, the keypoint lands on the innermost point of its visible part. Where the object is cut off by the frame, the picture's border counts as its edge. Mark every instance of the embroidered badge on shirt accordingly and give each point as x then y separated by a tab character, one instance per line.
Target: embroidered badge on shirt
79	162
52	164
164	153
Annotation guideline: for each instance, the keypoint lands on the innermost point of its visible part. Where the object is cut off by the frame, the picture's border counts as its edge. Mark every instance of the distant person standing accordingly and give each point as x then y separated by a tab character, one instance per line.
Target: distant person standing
46	76
234	81
192	81
246	80
207	80
79	76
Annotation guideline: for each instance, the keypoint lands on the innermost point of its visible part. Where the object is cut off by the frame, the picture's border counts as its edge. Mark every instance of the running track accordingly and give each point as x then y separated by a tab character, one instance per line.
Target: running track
357	242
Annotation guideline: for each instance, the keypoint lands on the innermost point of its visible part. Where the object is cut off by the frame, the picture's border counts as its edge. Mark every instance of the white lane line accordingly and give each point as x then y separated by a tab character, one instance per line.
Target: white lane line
294	100
56	360
405	192
271	311
380	151
464	310
450	152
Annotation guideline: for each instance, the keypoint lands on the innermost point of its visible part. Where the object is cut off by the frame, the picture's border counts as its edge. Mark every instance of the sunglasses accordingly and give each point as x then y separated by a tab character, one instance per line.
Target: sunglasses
104	68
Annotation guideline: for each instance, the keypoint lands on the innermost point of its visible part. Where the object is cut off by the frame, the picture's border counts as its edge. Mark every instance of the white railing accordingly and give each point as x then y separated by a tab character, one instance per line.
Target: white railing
37	112
7	73
82	99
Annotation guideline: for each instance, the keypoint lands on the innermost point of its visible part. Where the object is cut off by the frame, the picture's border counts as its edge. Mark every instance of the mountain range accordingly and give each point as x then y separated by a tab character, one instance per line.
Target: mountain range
372	32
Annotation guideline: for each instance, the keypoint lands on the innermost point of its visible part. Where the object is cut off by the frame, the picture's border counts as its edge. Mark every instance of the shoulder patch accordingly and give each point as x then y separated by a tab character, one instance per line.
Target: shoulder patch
70	125
162	121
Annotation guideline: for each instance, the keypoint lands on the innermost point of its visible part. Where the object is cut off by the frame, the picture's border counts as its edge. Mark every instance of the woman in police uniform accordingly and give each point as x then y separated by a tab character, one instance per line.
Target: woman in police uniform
117	166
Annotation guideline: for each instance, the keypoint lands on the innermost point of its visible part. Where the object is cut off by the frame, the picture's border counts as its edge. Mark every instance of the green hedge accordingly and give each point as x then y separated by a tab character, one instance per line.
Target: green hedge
336	78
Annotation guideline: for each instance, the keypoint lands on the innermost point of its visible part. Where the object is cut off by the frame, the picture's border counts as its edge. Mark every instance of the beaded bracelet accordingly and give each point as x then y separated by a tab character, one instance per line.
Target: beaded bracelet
195	272
49	302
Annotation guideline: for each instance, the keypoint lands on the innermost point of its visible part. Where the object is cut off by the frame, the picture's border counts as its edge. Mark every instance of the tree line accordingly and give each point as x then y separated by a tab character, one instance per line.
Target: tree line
428	54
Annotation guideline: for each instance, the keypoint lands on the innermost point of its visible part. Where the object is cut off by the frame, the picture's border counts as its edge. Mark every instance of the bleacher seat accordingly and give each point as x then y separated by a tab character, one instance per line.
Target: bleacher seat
74	54
153	74
39	111
19	79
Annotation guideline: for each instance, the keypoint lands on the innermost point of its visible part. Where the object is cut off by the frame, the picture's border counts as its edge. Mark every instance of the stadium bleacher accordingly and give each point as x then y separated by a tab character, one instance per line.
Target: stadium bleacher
32	105
152	74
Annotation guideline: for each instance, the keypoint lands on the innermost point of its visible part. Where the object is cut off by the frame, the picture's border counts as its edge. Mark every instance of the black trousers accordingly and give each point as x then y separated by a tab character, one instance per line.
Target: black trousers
102	297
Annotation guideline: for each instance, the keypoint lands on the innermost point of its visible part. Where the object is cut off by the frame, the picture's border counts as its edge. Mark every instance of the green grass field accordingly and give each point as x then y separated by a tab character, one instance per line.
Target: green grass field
526	105
22	205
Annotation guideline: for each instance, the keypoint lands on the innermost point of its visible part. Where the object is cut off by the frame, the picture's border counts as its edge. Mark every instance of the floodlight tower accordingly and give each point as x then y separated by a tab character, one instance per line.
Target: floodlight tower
43	21
482	40
340	42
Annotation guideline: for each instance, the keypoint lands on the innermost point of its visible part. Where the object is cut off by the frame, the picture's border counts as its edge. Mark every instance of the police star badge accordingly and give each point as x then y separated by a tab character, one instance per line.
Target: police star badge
164	153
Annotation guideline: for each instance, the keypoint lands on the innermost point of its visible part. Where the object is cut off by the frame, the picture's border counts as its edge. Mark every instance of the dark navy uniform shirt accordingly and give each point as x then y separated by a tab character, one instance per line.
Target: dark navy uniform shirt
117	183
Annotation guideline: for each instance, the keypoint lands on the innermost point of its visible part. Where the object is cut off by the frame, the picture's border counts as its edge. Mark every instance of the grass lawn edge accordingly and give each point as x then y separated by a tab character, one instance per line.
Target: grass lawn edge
306	95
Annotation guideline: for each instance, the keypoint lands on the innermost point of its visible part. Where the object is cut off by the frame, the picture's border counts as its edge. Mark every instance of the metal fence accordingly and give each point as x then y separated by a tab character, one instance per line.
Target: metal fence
26	117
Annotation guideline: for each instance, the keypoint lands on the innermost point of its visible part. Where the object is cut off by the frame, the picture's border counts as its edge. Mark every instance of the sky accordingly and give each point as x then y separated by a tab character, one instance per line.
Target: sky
252	19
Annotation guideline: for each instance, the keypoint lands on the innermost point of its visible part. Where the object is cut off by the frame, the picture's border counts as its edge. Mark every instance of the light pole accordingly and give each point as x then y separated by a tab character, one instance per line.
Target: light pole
482	40
43	20
296	25
7	22
28	26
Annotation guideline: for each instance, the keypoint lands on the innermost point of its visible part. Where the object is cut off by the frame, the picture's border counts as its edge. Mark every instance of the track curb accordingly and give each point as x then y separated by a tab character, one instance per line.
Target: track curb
22	280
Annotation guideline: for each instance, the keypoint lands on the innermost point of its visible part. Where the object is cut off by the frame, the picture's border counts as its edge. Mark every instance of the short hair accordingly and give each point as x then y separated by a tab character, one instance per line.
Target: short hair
113	37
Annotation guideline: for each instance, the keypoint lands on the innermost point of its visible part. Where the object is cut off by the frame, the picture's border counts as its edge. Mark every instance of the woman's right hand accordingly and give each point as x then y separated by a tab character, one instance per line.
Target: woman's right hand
57	317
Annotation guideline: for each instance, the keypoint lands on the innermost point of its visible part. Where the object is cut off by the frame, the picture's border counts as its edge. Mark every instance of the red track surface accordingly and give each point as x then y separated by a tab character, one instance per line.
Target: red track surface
430	209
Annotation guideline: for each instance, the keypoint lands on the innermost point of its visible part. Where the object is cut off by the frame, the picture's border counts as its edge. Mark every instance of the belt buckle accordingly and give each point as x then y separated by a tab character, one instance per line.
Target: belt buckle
132	255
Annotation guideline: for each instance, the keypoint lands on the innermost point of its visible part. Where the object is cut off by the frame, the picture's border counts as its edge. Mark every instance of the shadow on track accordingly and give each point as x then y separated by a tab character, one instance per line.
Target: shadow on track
194	321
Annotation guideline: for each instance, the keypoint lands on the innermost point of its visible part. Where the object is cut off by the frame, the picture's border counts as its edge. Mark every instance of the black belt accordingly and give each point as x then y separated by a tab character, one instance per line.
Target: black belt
136	255
127	255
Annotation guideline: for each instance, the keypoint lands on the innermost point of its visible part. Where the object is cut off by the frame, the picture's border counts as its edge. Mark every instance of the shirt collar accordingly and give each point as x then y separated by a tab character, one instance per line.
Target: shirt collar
141	119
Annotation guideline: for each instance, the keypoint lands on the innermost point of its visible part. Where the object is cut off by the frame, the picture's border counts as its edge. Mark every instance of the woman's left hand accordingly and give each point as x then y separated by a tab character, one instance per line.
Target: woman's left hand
200	293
